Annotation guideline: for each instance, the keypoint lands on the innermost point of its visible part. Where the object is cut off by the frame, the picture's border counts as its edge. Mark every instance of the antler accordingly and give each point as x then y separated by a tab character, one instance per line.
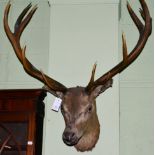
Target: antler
144	31
14	38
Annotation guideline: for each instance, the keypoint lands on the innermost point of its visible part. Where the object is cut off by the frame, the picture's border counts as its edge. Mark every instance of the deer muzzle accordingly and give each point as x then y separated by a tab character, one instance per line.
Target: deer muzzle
70	136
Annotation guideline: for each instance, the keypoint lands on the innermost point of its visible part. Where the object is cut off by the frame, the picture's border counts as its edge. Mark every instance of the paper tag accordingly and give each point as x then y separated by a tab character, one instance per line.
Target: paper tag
30	143
57	104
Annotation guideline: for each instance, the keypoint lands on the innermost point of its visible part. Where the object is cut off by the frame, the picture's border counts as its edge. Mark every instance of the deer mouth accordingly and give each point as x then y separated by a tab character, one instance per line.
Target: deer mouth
71	142
70	139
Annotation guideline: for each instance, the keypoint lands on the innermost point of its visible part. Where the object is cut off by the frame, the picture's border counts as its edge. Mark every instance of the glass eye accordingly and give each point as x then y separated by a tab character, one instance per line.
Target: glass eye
90	108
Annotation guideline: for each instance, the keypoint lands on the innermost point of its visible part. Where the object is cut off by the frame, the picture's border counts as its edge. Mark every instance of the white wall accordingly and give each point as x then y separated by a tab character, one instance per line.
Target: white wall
136	92
81	34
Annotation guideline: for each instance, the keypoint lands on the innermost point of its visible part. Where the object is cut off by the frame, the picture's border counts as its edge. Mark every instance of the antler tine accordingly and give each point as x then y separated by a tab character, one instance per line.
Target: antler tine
134	17
6	12
32	71
93	74
124	47
14	38
145	32
21	16
21	22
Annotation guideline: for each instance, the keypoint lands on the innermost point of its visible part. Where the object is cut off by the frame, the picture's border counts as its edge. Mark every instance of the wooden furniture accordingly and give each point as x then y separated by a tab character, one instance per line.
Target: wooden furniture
21	121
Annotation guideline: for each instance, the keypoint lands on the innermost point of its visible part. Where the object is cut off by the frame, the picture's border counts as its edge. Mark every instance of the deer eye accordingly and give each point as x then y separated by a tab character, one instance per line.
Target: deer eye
90	108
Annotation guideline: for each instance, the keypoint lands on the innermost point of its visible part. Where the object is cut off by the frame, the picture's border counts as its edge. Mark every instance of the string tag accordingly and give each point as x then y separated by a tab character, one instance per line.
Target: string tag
56	104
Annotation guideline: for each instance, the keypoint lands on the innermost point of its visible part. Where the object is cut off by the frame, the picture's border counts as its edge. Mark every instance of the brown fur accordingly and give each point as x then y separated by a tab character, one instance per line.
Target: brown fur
90	138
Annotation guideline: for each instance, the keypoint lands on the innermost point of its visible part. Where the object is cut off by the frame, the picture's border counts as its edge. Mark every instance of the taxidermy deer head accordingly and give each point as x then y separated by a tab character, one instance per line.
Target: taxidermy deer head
78	103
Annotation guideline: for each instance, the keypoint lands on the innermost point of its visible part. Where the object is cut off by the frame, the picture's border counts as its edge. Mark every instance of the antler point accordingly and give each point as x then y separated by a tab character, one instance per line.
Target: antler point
35	7
8	4
128	4
30	4
125	51
9	1
123	36
95	64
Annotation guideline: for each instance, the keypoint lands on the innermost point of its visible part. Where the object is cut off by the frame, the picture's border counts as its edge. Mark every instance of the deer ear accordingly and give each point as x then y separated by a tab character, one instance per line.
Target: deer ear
59	94
101	88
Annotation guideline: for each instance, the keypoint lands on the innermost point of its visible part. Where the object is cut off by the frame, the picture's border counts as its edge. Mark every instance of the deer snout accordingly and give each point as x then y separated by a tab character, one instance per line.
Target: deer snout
70	138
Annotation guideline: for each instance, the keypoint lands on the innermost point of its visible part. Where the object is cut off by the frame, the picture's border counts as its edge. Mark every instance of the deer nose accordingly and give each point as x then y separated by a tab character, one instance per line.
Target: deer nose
70	138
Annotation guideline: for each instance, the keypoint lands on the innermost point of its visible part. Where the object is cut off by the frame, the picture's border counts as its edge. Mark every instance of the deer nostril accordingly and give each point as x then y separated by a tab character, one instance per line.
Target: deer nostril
69	138
72	135
68	135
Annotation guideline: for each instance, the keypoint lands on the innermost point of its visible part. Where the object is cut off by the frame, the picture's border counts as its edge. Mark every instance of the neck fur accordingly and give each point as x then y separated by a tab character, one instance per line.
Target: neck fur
90	138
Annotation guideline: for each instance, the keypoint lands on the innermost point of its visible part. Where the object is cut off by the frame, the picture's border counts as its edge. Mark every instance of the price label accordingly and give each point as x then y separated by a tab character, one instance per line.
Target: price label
57	104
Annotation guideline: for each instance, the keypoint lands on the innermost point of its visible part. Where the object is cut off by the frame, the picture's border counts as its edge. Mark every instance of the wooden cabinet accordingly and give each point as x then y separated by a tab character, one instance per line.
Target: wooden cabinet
21	121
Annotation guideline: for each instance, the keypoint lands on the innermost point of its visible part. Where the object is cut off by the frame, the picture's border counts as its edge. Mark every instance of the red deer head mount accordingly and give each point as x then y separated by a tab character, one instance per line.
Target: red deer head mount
78	103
